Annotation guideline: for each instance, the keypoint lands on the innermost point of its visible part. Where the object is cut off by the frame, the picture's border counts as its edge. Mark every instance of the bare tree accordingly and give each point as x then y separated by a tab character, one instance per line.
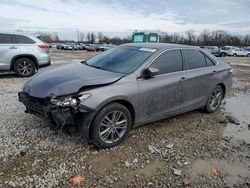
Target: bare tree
205	37
56	37
92	38
81	36
47	37
89	37
190	36
100	37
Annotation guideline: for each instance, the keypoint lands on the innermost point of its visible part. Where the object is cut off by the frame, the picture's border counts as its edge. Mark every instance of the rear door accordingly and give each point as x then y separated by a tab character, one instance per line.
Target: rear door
161	95
8	49
25	44
200	69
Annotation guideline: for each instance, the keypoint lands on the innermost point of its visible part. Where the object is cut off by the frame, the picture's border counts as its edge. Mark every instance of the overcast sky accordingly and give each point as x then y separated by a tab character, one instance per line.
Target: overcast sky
122	17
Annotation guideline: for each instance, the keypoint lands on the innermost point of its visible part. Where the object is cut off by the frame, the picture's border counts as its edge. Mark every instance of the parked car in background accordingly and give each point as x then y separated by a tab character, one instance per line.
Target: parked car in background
67	46
59	45
225	51
75	46
130	85
23	54
92	48
247	49
52	45
105	47
82	46
238	52
215	50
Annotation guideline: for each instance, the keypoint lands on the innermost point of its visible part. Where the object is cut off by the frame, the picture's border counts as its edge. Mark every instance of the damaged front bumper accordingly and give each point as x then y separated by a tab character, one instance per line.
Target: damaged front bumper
60	116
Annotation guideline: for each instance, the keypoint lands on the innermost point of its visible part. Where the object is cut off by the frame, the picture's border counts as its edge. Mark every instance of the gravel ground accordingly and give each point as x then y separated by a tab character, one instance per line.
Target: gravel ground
176	152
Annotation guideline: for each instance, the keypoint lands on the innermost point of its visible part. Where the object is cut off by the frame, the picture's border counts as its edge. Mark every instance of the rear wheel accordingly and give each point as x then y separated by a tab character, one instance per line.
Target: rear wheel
235	55
223	54
214	100
24	67
110	126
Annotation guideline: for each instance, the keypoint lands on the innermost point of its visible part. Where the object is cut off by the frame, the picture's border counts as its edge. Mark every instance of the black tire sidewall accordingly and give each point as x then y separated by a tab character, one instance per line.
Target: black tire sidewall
20	61
207	107
94	130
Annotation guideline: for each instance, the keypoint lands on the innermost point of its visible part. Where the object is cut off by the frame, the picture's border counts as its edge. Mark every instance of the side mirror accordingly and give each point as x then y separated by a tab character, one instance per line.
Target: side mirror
150	72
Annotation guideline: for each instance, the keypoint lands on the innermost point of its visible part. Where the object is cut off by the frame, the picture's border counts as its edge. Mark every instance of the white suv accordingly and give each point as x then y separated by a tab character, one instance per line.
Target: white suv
239	52
23	54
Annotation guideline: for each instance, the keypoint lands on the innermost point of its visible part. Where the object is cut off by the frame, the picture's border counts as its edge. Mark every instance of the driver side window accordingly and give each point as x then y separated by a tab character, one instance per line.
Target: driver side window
169	61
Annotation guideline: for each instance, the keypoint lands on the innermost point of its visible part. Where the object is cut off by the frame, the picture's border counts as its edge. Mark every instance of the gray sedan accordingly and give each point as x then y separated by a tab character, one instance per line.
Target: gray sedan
129	85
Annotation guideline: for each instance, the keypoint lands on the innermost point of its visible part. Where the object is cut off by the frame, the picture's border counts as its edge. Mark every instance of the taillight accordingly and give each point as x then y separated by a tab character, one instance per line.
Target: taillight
43	46
231	71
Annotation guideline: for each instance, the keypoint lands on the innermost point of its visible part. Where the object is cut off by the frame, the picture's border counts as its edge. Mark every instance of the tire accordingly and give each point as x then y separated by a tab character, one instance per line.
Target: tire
223	54
248	55
105	129
214	100
24	67
235	55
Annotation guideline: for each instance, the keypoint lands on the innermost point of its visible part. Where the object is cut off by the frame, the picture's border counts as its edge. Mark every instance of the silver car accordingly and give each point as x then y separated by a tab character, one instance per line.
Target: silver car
23	54
239	52
126	86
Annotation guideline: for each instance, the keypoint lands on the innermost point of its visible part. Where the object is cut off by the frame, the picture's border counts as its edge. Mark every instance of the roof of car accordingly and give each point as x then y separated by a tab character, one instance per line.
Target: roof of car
159	46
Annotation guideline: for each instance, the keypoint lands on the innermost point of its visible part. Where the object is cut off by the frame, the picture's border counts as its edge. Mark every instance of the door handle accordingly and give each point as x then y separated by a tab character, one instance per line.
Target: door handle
13	47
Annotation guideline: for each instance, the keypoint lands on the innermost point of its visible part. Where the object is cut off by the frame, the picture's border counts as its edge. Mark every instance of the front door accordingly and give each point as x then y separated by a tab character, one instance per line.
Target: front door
161	95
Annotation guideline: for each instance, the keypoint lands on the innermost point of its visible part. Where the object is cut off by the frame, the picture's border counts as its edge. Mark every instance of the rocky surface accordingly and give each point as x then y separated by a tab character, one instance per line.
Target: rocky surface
176	152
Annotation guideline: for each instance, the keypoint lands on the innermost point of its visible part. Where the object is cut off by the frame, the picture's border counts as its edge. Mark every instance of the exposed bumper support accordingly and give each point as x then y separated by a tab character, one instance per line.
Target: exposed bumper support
61	116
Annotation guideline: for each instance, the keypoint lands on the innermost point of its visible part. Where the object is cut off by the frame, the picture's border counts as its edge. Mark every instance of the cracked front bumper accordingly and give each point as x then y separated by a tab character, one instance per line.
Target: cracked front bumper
59	115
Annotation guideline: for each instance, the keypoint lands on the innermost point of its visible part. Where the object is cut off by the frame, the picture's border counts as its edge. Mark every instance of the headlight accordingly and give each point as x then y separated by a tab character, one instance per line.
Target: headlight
70	100
67	101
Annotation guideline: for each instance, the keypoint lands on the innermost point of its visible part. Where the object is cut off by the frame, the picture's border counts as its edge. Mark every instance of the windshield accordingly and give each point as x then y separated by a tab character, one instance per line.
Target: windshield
123	59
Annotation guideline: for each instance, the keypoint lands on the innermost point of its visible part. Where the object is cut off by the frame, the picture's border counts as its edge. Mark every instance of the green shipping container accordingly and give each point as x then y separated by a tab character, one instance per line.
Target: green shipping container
145	37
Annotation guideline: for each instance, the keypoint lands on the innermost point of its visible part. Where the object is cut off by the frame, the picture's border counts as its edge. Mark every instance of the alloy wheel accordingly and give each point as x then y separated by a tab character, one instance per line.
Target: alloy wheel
25	68
215	99
113	126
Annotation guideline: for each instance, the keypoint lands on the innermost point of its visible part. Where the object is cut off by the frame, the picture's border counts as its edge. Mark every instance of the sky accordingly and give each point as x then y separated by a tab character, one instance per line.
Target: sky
122	17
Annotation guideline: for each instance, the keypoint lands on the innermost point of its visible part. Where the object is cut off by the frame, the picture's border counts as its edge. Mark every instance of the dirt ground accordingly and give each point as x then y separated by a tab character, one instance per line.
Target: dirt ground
190	150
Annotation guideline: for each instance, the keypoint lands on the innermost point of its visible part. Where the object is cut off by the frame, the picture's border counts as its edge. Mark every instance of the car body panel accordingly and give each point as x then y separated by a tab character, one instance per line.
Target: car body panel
67	79
154	98
239	52
9	52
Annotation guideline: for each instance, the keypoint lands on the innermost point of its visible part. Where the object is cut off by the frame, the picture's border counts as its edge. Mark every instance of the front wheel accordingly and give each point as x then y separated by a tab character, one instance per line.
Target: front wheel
235	55
110	126
214	100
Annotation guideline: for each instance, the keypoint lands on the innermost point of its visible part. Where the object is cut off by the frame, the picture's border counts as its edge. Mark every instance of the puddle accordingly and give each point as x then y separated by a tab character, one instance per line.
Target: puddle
239	107
231	172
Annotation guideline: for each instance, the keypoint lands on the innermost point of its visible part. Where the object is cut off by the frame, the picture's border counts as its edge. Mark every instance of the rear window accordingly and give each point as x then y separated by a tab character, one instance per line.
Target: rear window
5	39
195	58
209	61
225	48
24	40
41	39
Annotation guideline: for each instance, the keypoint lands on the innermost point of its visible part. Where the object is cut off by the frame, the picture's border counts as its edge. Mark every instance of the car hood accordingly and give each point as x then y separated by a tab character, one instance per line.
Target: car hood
68	79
